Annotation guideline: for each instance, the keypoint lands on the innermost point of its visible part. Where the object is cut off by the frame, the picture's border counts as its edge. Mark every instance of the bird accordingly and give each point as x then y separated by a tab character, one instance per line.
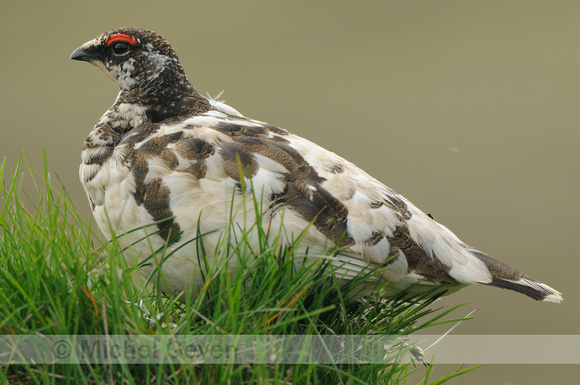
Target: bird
165	164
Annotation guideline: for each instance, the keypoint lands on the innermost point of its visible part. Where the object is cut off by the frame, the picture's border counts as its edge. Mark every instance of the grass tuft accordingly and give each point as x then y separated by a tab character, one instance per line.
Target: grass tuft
57	278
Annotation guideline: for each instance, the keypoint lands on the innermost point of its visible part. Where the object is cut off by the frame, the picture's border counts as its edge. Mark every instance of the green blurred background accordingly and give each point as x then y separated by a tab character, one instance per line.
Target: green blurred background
469	109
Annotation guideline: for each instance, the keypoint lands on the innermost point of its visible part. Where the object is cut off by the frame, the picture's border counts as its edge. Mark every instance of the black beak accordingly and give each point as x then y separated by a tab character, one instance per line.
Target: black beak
79	54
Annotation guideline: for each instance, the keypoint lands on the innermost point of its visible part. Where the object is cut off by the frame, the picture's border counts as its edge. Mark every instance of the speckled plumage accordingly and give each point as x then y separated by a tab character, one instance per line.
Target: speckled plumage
165	157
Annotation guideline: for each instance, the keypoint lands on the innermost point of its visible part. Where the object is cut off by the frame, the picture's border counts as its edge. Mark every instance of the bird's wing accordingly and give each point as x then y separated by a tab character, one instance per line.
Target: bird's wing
370	223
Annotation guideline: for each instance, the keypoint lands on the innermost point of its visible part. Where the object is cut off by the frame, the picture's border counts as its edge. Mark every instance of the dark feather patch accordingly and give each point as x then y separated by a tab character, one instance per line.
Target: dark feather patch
159	144
418	260
498	268
375	238
139	133
139	168
235	157
397	204
156	201
537	293
318	206
197	169
194	148
275	130
234	129
107	133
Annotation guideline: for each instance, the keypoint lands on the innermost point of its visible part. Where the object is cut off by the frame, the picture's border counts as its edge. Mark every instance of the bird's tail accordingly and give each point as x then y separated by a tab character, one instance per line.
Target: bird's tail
506	277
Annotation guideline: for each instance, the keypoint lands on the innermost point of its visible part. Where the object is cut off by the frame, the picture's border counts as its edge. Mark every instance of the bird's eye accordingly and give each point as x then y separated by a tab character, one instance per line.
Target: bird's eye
120	47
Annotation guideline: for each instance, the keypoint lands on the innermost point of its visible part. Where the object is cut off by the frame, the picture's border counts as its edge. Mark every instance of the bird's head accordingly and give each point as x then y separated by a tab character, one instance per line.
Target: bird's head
133	58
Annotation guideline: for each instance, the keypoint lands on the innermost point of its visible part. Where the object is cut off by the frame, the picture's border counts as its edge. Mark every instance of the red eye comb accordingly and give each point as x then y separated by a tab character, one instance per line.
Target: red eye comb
121	36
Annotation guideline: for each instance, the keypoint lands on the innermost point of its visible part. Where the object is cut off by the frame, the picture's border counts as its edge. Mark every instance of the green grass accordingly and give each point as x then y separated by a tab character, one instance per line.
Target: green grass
57	278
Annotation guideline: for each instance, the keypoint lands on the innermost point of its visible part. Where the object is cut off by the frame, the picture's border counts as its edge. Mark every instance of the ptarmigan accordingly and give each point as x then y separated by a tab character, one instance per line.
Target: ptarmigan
169	159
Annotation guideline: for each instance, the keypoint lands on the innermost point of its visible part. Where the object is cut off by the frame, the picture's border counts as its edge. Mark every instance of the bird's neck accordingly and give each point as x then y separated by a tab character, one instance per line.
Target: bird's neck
167	94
